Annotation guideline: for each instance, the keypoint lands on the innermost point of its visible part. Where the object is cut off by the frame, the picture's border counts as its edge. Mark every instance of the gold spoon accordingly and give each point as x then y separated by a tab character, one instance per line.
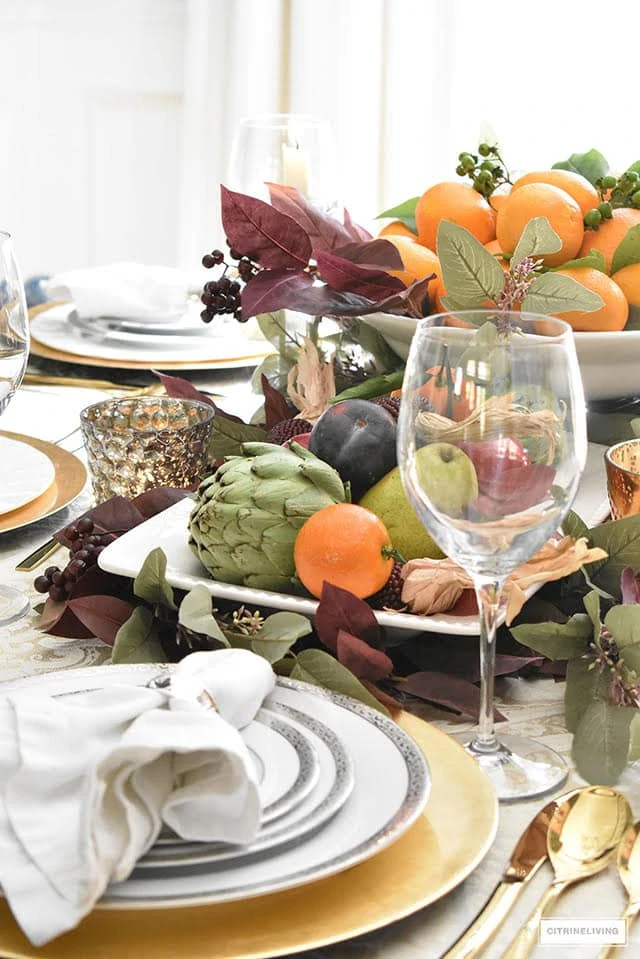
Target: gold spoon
584	833
629	872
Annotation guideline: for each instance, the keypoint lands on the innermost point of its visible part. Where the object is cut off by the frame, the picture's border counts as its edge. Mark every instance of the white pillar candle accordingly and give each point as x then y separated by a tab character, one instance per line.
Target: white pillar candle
294	168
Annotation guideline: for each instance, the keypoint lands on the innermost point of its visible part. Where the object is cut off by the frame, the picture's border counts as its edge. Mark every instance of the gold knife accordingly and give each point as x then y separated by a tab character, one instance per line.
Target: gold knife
527	857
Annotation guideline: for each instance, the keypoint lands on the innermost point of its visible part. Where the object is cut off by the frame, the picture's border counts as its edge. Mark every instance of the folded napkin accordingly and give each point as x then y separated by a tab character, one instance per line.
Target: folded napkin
87	781
125	290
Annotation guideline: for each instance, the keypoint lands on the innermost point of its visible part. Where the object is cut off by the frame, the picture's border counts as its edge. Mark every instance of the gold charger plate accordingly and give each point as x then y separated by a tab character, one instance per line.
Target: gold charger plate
426	863
70	479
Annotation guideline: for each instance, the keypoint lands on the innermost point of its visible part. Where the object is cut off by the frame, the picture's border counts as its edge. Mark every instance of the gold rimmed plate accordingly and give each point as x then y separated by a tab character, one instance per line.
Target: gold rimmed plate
70	477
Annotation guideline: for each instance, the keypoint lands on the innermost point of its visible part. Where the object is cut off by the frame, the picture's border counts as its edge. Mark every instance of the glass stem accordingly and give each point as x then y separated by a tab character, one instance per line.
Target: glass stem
488	594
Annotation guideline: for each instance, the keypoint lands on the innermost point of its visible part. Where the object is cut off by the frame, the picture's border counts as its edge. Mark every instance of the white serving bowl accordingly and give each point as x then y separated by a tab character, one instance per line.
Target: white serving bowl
609	362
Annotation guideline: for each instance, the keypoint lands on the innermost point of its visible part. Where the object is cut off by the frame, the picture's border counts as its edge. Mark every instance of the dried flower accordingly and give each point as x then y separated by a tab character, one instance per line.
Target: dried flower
517	283
310	383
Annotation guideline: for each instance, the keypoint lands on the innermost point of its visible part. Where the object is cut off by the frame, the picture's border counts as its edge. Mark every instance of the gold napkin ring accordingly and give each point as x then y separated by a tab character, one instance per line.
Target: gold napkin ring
206	699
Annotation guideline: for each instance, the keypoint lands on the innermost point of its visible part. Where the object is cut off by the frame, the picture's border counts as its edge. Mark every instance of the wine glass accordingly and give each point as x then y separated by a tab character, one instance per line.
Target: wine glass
14	352
491	446
291	149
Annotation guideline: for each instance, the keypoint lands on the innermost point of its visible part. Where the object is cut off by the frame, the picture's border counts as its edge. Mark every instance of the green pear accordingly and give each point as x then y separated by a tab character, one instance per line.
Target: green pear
447	476
388	500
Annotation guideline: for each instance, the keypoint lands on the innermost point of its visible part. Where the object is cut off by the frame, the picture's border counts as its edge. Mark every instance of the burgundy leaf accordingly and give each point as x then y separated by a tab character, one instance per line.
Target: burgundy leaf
372	253
507	665
154	501
339	609
342	274
58	620
272	290
102	615
412	301
445	690
96	581
465	605
324	232
363	660
117	513
354	230
392	704
276	407
272	239
180	388
629	586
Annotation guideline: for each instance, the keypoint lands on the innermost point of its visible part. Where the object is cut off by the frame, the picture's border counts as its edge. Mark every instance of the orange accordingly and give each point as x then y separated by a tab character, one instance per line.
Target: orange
346	545
459	203
498	199
610	234
628	279
417	259
611	317
397	228
577	186
541	199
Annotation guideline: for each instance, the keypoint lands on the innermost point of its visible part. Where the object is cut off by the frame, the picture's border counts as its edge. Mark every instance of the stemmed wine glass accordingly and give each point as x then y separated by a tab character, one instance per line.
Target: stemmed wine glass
491	446
14	352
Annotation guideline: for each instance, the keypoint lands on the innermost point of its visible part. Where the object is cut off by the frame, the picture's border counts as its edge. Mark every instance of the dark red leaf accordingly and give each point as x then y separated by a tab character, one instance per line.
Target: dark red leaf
272	290
354	230
392	704
412	301
271	238
154	501
117	513
96	581
445	690
58	620
102	615
339	609
324	232
465	605
180	388
343	275
363	660
276	407
506	665
629	587
372	253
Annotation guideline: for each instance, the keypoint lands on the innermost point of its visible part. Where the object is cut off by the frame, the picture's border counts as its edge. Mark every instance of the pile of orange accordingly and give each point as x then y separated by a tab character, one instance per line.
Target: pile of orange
560	196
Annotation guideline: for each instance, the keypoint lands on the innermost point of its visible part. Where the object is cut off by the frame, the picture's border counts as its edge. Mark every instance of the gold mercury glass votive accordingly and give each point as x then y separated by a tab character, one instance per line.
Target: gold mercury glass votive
134	445
622	463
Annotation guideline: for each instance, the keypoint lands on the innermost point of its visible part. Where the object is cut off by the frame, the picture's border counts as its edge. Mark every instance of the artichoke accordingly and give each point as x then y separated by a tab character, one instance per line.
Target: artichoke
248	513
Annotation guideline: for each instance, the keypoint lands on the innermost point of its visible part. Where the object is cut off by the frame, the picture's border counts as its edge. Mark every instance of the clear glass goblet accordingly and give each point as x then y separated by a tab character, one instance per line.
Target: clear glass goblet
14	353
491	446
296	150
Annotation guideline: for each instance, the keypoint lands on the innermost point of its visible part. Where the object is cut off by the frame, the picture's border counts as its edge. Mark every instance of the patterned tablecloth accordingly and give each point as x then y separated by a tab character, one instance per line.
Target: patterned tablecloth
533	708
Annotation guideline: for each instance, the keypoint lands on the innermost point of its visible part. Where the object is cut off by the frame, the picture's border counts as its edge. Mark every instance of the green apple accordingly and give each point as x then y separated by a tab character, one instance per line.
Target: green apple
448	477
388	500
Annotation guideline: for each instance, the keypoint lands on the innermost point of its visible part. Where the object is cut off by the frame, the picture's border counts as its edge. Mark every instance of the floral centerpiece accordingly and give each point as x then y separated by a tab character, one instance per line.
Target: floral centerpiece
311	281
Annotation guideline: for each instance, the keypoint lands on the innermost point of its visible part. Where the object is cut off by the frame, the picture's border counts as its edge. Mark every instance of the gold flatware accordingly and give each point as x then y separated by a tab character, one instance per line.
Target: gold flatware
528	855
629	872
41	379
38	556
583	836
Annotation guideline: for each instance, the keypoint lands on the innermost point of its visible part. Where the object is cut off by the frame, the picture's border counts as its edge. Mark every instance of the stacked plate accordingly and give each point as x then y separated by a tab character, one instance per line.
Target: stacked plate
325	805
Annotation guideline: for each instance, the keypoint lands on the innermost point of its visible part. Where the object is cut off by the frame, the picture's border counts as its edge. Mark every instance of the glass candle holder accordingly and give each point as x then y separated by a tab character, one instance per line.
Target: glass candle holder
622	464
138	444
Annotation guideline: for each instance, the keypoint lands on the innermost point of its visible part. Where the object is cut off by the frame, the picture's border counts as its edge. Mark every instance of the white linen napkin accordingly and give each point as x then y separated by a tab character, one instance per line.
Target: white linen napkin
125	290
86	781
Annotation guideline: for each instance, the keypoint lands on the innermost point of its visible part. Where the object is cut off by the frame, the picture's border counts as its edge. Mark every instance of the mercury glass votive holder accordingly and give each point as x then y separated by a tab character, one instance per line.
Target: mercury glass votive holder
136	444
622	464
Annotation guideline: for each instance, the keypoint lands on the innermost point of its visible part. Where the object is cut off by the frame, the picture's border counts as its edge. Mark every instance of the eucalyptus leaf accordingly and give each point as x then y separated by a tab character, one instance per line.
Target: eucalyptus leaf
592	605
471	275
556	640
151	583
276	369
537	239
594	260
573	525
273	327
592	165
278	634
137	640
628	250
624	624
634	744
227	437
554	293
631	658
584	684
601	742
321	669
195	613
621	540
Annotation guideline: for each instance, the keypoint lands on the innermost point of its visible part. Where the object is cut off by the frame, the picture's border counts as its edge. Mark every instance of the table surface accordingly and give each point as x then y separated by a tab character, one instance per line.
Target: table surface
533	708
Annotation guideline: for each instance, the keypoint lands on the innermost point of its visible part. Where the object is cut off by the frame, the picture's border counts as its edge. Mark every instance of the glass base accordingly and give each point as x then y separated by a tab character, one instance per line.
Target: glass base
13	604
519	768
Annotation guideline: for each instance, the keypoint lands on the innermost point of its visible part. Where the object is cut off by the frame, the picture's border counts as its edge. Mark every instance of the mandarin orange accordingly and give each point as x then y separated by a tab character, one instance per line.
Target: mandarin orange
577	186
610	234
459	203
611	316
541	199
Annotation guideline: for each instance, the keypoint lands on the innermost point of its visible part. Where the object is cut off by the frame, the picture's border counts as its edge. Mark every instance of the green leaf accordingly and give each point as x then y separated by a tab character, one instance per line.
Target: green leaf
471	275
627	251
592	605
321	669
195	613
403	211
151	584
537	239
372	387
574	525
634	744
594	260
273	327
553	293
278	634
624	624
137	640
631	657
591	165
582	688
556	640
601	742
621	540
227	437
633	322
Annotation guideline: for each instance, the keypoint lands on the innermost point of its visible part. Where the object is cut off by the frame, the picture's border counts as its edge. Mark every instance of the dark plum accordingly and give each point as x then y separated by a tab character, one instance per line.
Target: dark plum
357	438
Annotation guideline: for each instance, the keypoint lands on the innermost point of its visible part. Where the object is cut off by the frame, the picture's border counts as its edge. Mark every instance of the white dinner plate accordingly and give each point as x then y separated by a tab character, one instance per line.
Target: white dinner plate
378	811
25	474
169	531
